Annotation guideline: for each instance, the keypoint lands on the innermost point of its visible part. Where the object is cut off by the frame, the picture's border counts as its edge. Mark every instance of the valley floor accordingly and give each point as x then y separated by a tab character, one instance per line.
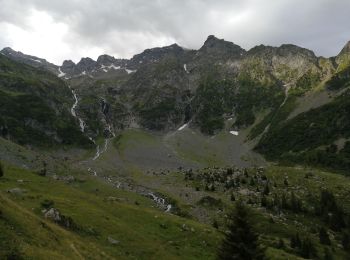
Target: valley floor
154	197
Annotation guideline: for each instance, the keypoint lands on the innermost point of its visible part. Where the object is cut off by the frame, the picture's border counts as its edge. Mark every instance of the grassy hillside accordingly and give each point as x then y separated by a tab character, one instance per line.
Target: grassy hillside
105	223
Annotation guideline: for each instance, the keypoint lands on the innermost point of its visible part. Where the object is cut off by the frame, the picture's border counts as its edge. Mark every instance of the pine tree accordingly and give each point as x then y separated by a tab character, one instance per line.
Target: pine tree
280	244
324	237
307	248
1	170
295	241
241	241
346	241
267	189
327	254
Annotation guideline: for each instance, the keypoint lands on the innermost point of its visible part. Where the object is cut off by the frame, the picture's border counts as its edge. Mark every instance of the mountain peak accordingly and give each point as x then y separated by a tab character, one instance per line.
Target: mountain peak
8	49
211	40
216	46
346	49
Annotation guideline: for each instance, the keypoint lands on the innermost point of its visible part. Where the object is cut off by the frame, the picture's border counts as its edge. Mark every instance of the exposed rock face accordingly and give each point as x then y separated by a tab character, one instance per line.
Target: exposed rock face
163	88
113	241
30	60
343	58
64	221
53	214
219	48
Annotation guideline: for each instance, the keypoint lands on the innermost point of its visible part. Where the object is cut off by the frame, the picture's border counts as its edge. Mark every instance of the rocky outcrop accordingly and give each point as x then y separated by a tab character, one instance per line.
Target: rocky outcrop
29	59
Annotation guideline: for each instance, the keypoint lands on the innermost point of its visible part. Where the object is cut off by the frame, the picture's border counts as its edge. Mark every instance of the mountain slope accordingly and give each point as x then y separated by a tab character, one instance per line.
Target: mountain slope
34	107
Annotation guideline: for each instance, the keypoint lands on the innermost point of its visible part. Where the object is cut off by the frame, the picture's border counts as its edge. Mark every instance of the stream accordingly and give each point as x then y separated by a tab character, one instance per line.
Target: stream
161	202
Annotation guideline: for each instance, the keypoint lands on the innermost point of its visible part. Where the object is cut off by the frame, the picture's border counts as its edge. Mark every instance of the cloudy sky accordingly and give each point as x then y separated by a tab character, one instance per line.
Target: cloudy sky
71	29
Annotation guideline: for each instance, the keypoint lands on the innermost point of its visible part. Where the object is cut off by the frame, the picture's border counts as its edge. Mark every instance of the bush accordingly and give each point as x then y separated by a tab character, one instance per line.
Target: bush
46	204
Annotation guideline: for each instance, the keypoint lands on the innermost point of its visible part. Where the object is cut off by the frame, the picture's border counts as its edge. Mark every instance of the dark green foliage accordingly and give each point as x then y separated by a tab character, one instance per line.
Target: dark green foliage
324	237
307	249
331	213
214	98
275	117
162	106
241	241
295	203
305	83
34	107
281	244
46	204
1	170
304	247
210	202
298	140
340	80
295	241
327	254
267	189
346	241
215	224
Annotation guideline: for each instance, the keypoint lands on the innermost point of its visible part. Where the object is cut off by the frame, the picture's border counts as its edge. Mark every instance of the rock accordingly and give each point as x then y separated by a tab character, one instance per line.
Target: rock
17	191
53	214
113	241
68	178
184	227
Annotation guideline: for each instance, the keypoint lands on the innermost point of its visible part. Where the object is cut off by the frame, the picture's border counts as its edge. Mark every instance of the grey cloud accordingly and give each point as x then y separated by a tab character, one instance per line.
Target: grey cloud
125	27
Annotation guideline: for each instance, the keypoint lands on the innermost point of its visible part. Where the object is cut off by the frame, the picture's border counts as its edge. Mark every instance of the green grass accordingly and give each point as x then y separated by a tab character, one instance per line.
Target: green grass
132	137
143	232
306	183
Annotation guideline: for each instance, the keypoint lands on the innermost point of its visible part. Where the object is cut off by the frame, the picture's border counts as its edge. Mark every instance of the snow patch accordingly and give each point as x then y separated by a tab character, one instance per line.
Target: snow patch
182	127
108	68
36	60
185	68
234	132
129	71
61	73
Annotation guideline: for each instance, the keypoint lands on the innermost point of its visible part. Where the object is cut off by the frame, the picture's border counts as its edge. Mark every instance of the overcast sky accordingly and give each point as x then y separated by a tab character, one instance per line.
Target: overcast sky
71	29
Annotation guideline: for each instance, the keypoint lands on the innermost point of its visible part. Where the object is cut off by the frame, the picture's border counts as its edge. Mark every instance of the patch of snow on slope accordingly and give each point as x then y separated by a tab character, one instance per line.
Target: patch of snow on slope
129	71
185	68
62	74
182	127
36	60
112	66
234	132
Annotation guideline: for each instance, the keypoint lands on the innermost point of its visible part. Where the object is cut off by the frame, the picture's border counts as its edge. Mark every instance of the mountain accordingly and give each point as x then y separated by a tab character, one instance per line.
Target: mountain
29	59
220	86
35	106
165	143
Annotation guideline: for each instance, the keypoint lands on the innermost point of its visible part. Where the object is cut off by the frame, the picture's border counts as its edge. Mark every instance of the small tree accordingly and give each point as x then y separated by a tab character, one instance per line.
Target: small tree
241	241
307	249
346	241
327	254
1	170
267	189
324	237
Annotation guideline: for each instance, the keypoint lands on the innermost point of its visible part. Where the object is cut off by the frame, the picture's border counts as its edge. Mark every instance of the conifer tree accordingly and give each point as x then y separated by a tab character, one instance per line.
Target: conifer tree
324	237
241	241
1	170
